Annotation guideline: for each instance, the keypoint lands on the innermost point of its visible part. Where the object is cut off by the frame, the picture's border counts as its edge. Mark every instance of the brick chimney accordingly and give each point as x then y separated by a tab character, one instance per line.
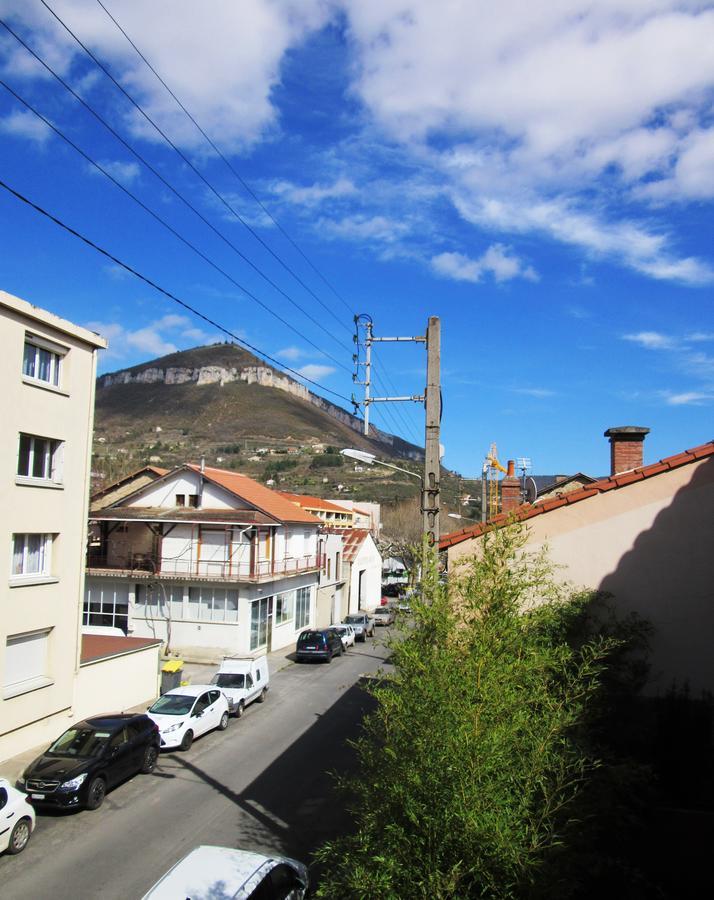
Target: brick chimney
510	489
626	446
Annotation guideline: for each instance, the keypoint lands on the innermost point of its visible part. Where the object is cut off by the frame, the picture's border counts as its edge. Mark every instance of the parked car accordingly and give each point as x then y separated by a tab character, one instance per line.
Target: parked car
243	680
188	712
384	615
91	758
362	623
17	818
346	633
323	644
232	875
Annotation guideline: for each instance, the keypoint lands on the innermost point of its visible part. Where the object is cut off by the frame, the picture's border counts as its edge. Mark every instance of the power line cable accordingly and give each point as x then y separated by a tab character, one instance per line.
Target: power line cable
407	425
169	227
183	156
170	187
230	166
241	341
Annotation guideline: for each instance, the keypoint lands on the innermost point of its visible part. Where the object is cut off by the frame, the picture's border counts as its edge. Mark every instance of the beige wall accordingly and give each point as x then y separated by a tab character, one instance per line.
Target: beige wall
651	544
30	605
117	684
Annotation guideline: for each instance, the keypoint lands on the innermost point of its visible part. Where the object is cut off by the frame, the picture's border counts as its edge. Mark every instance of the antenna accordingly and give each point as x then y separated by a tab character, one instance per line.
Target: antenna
524	464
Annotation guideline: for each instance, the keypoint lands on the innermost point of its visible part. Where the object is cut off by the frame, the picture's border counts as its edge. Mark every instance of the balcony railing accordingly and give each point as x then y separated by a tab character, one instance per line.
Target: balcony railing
147	565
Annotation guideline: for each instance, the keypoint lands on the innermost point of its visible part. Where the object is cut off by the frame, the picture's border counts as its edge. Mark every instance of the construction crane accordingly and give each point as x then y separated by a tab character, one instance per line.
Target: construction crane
491	468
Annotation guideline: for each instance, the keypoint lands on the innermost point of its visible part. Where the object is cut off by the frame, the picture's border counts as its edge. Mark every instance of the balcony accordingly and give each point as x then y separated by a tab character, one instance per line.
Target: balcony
148	566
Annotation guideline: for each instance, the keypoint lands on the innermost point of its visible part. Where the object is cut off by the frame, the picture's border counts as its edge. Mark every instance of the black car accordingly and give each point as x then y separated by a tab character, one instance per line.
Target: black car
322	644
89	759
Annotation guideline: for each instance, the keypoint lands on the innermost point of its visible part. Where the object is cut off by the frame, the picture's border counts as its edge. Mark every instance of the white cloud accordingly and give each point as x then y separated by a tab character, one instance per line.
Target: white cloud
315	193
25	124
497	260
125	173
151	339
235	55
652	340
290	353
364	228
687	398
315	371
536	393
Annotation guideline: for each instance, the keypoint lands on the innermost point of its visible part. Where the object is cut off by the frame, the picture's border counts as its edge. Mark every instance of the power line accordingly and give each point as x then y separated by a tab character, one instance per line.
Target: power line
407	425
183	156
177	193
169	227
230	166
166	293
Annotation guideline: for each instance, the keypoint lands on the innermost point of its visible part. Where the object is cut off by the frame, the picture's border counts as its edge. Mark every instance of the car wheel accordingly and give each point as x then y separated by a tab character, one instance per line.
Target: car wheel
187	741
96	793
151	754
223	724
239	710
20	836
261	697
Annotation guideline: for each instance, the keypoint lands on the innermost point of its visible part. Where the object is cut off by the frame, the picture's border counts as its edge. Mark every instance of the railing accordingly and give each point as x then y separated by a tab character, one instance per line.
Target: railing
145	564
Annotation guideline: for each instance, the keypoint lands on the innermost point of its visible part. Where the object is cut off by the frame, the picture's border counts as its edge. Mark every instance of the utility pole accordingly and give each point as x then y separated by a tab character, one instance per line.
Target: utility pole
432	447
431	398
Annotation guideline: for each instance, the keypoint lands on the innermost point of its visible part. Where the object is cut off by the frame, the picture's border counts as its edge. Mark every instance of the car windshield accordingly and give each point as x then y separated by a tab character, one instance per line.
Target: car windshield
354	620
81	742
229	680
383	611
310	637
173	705
340	629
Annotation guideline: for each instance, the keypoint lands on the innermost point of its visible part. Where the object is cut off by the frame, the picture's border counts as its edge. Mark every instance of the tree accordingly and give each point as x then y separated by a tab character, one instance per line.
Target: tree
402	534
475	754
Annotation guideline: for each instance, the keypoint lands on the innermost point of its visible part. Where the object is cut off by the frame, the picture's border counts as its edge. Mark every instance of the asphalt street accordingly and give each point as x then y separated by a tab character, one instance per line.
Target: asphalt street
264	784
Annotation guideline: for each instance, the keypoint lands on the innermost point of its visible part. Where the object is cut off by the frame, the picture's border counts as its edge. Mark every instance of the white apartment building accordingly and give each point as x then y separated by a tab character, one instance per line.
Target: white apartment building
208	560
48	368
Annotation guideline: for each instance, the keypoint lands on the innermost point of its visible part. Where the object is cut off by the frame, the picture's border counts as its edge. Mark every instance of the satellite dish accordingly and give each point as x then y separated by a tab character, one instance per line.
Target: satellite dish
531	490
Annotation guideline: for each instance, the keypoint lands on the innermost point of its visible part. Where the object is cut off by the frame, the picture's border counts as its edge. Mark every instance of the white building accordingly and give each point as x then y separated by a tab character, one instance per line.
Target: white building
362	571
207	560
48	370
331	586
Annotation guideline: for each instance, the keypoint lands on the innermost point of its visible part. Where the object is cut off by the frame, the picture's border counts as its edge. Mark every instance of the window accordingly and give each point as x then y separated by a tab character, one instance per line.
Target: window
39	457
193	500
284	607
108	605
41	362
212	604
329	573
302	607
31	554
26	663
180	499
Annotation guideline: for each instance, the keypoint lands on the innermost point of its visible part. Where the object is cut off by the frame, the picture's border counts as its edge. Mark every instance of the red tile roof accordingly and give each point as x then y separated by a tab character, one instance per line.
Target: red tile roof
104	646
257	495
306	501
353	538
614	482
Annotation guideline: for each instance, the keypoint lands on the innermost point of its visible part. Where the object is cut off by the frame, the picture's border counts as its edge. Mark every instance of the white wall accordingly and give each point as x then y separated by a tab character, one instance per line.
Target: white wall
369	561
117	684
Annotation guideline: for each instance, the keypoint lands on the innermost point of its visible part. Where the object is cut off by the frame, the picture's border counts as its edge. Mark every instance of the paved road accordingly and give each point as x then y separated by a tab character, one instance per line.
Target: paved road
263	784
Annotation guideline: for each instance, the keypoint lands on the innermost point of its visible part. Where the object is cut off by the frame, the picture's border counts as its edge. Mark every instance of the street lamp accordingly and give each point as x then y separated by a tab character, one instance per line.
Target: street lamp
370	459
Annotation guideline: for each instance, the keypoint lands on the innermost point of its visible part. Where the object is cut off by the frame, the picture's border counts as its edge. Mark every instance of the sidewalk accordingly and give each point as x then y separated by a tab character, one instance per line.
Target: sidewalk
193	673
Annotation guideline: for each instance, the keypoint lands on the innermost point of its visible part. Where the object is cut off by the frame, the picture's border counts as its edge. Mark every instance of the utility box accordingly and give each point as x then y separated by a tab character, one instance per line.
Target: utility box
171	675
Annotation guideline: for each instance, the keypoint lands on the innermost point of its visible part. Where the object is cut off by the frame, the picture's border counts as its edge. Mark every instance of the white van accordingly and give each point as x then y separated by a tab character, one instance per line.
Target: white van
243	680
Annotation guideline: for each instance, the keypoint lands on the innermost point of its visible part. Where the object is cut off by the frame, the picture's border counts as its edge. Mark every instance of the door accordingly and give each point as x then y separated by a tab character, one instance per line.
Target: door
119	757
360	588
201	716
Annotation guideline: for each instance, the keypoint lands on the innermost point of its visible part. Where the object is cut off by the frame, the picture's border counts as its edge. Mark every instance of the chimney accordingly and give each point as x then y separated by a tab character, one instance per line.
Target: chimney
626	447
510	489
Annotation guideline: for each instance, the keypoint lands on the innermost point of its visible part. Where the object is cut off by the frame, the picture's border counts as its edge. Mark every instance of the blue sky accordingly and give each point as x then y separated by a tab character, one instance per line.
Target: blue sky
540	176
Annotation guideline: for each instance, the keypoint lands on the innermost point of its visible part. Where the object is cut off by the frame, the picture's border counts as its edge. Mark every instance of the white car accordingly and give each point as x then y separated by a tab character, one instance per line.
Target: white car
346	633
232	875
188	712
17	818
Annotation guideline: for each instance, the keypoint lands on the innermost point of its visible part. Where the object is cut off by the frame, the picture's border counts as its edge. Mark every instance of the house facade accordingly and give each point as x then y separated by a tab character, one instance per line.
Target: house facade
49	369
362	572
207	560
645	535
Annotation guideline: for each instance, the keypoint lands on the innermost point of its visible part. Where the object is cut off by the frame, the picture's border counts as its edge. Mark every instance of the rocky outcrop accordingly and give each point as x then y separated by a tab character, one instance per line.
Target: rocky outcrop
254	374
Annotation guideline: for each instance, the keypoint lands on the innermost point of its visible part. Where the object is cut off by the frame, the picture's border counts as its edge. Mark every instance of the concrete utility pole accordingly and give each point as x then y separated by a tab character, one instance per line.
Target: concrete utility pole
432	447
